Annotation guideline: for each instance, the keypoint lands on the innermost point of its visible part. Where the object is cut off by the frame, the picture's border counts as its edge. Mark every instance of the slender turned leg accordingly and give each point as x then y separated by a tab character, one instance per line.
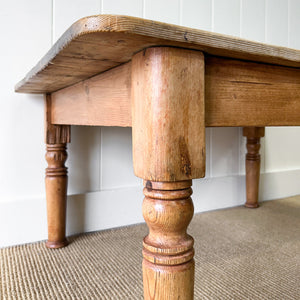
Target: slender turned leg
253	135
168	133
56	137
56	194
168	265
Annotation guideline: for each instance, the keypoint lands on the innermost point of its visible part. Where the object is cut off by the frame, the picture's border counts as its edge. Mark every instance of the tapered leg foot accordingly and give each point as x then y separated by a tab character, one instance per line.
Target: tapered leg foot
168	265
253	135
56	194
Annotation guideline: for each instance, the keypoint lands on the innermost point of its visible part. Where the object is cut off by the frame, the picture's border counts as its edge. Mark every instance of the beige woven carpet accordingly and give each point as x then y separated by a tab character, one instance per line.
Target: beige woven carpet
240	254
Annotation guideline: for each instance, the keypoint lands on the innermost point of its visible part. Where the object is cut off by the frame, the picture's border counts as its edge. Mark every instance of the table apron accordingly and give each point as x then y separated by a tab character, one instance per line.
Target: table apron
237	93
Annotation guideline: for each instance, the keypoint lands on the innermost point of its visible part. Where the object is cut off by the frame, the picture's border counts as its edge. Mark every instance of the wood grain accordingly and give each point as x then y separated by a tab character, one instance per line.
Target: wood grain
97	43
54	134
240	93
56	195
102	100
253	135
168	129
237	93
56	181
168	265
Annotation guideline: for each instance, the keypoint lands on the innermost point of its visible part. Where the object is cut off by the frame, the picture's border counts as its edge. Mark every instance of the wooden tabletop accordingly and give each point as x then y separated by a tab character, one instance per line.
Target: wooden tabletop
97	43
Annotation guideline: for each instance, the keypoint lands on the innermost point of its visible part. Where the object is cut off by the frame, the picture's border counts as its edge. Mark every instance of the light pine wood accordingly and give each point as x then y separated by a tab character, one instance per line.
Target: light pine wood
95	44
168	264
56	180
168	151
237	93
54	134
253	135
168	114
56	195
102	100
123	71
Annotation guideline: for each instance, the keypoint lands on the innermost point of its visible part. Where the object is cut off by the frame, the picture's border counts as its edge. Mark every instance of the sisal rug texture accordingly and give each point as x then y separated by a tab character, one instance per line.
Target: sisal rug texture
240	254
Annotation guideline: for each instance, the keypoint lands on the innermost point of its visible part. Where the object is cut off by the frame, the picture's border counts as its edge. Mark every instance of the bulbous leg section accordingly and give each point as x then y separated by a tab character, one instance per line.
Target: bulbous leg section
168	264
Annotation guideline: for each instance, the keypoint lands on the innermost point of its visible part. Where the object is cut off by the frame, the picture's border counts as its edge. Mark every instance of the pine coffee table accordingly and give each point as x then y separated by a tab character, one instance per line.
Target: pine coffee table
168	83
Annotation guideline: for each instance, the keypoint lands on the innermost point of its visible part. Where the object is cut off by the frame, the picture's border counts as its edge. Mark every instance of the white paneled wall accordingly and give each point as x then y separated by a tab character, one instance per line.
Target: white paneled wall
104	191
196	14
253	10
22	44
128	7
277	22
66	12
116	159
294	23
167	11
224	151
226	17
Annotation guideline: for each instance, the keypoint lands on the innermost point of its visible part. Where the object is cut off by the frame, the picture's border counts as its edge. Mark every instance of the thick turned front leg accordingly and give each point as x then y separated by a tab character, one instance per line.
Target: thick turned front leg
168	265
168	133
253	135
56	138
56	195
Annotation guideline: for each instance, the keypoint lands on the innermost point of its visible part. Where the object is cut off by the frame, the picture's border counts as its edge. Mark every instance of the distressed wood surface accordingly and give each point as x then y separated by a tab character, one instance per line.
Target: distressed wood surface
97	43
237	93
168	129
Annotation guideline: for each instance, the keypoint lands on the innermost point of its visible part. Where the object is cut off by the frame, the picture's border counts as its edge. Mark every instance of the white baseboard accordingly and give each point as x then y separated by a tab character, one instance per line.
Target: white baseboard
24	221
278	185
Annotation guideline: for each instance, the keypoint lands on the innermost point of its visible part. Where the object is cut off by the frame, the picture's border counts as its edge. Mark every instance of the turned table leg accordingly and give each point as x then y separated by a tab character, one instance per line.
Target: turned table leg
253	135
56	194
57	137
168	152
168	265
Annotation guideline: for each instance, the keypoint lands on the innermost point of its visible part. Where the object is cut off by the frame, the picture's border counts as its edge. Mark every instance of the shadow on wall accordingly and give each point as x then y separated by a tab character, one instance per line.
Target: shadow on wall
103	190
84	159
83	170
